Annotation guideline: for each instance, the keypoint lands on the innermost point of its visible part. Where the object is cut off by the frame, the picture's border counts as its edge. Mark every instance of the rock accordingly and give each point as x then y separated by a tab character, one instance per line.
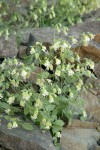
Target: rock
45	34
22	51
92	50
92	105
97	70
89	52
79	139
83	124
92	16
97	38
20	139
90	26
8	48
50	3
34	75
98	148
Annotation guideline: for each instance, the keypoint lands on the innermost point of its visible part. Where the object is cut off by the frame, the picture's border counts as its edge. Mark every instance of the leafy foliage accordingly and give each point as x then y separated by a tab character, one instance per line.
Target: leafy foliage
37	13
58	94
60	83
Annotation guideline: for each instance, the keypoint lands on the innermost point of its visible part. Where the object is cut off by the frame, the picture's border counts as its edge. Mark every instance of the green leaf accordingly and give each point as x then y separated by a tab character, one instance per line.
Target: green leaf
56	128
27	126
59	123
50	107
4	105
45	74
26	110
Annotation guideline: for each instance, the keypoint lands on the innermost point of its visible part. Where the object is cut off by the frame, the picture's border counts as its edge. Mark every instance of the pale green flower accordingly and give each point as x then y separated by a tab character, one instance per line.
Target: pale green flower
9	125
58	135
26	95
84	113
71	95
35	16
24	74
80	82
70	72
87	38
65	45
78	87
48	125
77	68
40	82
14	83
38	103
2	78
58	73
32	50
43	121
15	61
44	92
34	116
7	111
43	48
78	58
88	73
54	90
59	90
1	96
13	72
14	125
22	103
36	55
92	65
51	99
58	61
47	64
71	59
11	100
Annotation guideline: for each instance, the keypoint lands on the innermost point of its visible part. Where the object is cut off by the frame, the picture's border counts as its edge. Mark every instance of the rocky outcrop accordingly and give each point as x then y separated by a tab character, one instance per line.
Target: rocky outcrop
83	124
20	139
8	48
79	139
92	50
92	16
97	70
92	105
92	97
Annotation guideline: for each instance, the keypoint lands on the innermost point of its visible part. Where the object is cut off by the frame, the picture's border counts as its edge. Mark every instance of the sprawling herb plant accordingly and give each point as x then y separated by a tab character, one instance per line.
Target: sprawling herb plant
57	99
40	13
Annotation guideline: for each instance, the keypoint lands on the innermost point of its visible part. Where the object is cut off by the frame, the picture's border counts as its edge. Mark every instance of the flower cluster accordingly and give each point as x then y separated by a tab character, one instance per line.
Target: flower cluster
58	87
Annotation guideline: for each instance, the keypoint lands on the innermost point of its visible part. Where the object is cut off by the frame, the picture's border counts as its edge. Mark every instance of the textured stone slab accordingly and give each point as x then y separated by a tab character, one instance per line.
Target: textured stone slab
20	139
47	34
79	139
98	148
83	124
44	34
90	26
8	48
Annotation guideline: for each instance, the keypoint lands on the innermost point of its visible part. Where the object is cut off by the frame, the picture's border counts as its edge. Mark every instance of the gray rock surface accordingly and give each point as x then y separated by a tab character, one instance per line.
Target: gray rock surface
92	16
98	148
92	105
47	34
90	26
20	139
97	70
8	48
79	139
